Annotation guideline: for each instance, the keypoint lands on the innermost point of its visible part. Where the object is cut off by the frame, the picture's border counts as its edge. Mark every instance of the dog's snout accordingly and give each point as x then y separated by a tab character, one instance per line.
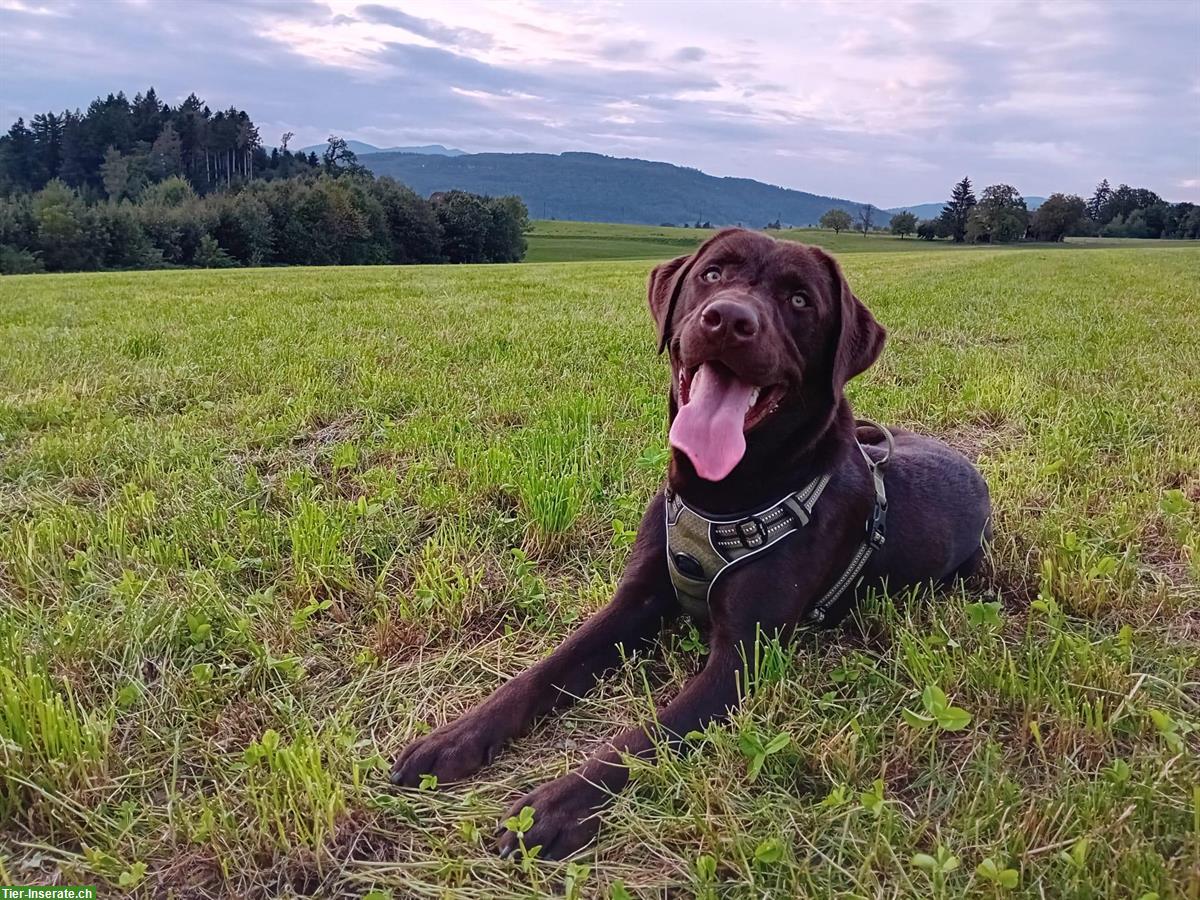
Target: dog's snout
735	322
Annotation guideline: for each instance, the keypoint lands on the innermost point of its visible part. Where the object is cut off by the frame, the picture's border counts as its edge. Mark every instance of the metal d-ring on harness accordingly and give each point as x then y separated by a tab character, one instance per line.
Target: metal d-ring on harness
701	548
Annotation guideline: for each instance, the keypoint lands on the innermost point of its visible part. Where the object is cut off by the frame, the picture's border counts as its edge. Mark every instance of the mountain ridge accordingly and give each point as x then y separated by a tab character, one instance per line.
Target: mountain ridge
592	187
362	148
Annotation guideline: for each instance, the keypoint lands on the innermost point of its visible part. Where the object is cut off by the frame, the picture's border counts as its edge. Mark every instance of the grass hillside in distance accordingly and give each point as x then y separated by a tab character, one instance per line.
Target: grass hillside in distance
555	241
594	188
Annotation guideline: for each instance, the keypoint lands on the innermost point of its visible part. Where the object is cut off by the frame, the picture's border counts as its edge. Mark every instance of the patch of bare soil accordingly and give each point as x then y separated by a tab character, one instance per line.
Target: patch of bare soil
983	434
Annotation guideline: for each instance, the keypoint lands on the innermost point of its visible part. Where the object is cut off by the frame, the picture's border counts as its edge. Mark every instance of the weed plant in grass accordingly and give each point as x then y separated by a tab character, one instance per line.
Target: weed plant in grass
260	528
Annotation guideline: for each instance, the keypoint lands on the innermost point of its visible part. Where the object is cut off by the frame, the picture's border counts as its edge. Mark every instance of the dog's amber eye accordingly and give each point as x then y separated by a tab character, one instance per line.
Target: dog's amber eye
799	300
712	275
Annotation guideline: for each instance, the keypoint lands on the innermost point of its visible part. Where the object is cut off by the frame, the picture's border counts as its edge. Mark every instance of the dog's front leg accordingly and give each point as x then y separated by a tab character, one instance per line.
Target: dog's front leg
643	600
565	810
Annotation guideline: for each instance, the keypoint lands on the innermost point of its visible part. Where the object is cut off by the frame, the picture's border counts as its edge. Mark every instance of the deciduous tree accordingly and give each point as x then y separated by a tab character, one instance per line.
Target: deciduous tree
838	220
1000	216
904	223
865	216
1057	217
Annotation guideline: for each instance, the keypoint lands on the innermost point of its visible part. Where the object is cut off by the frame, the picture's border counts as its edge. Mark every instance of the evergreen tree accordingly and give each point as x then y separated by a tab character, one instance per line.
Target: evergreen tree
147	115
75	162
1098	206
47	131
191	121
108	124
957	212
18	157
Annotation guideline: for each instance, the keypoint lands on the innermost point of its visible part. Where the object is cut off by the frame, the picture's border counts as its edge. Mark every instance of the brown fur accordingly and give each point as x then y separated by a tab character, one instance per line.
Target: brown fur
938	519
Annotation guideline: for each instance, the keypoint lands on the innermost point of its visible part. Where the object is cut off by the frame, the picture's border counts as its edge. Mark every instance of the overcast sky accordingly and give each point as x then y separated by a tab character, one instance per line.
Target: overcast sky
887	102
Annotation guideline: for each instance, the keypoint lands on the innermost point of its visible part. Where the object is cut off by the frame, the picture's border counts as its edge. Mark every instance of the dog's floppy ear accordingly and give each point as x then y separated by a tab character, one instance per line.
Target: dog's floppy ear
666	281
860	338
662	292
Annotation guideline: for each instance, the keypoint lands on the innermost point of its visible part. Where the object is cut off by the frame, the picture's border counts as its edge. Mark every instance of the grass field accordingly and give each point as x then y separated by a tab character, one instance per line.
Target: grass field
554	241
259	528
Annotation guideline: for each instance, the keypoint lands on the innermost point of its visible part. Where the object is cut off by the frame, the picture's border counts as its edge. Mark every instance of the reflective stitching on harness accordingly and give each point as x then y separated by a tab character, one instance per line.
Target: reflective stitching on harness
712	546
875	537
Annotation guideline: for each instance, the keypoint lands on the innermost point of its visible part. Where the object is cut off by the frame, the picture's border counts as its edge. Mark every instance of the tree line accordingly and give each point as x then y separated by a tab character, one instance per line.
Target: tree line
318	219
141	185
999	215
119	147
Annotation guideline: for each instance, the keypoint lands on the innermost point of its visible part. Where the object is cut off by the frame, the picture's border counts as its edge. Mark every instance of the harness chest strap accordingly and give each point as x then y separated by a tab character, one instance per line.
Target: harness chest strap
701	548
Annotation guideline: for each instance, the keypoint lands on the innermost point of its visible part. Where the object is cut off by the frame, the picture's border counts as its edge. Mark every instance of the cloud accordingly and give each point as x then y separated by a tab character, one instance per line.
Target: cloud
426	28
889	108
1055	152
31	9
624	51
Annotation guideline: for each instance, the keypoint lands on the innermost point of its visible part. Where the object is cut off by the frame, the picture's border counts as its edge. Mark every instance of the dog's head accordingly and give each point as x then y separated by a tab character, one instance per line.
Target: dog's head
763	336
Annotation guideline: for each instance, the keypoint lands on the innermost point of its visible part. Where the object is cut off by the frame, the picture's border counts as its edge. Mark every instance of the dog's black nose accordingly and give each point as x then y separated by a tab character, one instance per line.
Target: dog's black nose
728	319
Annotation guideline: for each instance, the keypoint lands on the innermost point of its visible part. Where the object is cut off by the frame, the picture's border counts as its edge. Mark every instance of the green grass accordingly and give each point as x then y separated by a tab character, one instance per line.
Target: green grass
259	528
555	241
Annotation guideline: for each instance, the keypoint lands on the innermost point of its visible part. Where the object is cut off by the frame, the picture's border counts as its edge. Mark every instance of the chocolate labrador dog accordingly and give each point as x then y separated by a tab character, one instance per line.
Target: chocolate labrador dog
778	513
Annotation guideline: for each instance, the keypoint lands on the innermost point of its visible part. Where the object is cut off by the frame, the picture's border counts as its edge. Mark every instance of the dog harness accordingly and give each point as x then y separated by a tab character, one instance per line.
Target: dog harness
701	548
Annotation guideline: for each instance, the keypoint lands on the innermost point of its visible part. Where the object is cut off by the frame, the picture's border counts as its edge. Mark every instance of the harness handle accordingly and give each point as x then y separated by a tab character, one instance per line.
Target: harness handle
887	437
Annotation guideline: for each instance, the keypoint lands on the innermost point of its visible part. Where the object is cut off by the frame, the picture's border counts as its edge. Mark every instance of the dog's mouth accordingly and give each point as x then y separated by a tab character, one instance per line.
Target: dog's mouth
716	409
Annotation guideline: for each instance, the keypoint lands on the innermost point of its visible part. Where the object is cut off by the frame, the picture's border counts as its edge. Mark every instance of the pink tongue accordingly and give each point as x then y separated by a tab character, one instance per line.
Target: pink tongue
709	428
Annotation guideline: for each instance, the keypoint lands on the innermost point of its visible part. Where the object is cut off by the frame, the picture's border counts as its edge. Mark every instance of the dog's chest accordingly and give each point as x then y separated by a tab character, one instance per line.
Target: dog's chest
702	548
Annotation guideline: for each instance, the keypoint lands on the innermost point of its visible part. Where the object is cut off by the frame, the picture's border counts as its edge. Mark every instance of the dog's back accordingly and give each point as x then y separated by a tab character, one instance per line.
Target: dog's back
939	513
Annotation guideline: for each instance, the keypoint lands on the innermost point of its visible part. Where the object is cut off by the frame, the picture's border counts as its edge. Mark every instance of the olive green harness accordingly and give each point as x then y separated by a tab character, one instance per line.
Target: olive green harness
701	548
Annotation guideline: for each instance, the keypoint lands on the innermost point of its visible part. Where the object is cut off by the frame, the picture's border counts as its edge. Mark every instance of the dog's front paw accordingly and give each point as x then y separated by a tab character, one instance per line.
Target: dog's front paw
565	819
451	753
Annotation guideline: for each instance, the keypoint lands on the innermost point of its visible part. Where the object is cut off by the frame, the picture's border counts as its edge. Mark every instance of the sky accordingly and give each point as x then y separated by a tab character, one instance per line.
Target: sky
883	102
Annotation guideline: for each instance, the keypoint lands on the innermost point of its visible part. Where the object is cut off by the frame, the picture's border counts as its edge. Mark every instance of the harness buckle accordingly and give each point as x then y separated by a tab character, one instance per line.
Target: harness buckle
751	532
877	526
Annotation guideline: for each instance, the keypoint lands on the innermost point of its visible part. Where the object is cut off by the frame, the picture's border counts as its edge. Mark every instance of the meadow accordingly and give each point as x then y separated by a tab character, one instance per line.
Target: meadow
555	241
259	528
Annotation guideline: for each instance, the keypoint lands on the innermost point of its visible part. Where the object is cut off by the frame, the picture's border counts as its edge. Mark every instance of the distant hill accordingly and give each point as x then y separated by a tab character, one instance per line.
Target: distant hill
363	149
588	187
933	210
